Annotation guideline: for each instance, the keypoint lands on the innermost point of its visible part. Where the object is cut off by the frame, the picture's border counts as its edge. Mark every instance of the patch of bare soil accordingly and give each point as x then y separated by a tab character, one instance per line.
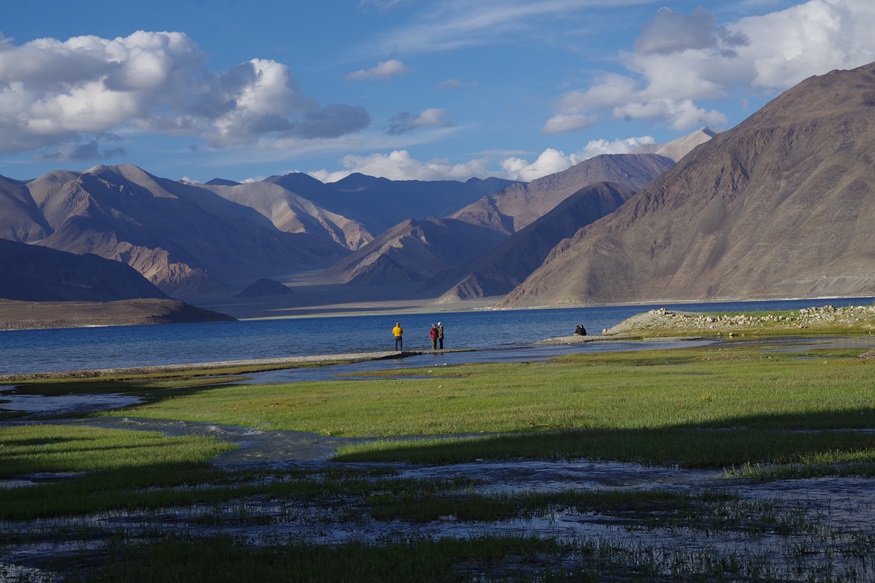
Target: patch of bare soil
18	315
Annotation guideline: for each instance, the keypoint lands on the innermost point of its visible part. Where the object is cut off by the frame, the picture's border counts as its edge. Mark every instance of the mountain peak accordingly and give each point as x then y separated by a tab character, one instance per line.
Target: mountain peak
779	206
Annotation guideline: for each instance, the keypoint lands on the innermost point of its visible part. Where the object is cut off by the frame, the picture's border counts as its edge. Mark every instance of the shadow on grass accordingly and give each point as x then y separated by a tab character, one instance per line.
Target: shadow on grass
138	487
828	437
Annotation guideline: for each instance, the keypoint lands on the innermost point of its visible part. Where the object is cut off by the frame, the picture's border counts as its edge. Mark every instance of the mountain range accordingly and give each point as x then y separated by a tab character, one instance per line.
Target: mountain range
192	239
779	206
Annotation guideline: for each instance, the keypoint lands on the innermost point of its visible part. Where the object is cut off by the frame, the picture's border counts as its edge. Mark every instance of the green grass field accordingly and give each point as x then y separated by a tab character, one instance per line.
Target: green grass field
705	407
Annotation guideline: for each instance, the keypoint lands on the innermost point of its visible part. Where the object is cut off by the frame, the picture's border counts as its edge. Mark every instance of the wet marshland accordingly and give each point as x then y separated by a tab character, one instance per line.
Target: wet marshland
651	522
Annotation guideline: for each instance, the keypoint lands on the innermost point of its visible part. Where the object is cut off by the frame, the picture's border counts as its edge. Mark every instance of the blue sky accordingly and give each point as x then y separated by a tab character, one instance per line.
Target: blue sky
407	89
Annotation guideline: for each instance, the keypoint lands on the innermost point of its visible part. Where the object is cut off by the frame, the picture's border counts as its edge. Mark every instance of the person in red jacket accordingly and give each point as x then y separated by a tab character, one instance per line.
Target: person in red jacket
433	334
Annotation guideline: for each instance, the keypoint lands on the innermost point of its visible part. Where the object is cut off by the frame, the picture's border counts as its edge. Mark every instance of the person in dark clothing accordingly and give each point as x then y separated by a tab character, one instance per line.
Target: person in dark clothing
580	330
440	330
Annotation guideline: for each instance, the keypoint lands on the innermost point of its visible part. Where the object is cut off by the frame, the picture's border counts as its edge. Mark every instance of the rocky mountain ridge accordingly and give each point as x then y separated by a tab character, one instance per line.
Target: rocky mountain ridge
456	253
217	238
779	206
508	264
189	239
519	205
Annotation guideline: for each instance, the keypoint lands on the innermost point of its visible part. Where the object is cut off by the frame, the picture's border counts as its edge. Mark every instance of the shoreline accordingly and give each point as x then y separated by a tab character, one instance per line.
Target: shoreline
646	326
21	316
229	367
254	365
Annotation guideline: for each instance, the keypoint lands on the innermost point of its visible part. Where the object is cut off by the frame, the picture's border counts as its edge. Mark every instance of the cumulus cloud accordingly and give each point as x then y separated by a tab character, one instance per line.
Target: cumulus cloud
400	165
680	61
82	152
73	93
405	122
384	70
551	160
595	148
670	32
573	122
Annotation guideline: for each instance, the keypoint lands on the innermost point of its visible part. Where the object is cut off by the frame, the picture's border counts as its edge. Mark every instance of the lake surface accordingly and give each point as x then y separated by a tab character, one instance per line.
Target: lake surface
506	333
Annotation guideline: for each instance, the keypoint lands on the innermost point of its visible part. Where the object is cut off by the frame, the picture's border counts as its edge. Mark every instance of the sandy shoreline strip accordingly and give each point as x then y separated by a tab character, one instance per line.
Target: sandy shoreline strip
268	363
255	365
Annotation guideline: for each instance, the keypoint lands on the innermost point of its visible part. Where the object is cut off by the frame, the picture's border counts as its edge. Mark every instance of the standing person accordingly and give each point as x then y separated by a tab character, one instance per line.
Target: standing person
398	332
433	334
440	329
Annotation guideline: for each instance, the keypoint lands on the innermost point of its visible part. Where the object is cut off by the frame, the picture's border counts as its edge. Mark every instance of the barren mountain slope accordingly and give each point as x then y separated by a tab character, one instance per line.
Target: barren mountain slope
677	149
20	218
515	258
519	205
34	273
780	206
294	214
415	250
183	237
379	203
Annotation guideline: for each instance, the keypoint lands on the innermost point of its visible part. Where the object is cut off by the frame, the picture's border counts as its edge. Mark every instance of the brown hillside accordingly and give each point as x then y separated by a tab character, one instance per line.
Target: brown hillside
780	206
521	204
415	250
182	237
39	274
508	264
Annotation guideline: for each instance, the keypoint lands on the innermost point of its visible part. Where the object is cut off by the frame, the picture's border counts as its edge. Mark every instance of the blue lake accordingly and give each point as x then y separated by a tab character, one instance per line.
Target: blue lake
32	351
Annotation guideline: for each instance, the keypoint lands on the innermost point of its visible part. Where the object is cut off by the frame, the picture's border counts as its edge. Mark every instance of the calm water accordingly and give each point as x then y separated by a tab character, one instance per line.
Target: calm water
32	351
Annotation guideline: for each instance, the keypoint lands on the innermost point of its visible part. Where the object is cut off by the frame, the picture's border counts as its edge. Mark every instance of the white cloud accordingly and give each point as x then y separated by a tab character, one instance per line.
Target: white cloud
400	165
551	160
433	117
680	61
812	38
568	123
382	71
452	24
66	94
598	147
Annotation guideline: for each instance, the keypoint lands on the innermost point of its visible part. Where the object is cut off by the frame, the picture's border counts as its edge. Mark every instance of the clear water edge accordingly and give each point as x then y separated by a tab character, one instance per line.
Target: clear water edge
71	349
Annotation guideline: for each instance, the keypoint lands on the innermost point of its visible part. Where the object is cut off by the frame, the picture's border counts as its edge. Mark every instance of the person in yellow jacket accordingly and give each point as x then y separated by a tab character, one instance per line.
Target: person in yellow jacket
398	332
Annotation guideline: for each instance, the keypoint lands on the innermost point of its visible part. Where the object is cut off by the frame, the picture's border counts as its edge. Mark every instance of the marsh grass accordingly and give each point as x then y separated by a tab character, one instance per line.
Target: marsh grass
112	470
28	449
223	559
713	387
482	559
700	407
708	512
468	507
741	407
669	447
719	406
